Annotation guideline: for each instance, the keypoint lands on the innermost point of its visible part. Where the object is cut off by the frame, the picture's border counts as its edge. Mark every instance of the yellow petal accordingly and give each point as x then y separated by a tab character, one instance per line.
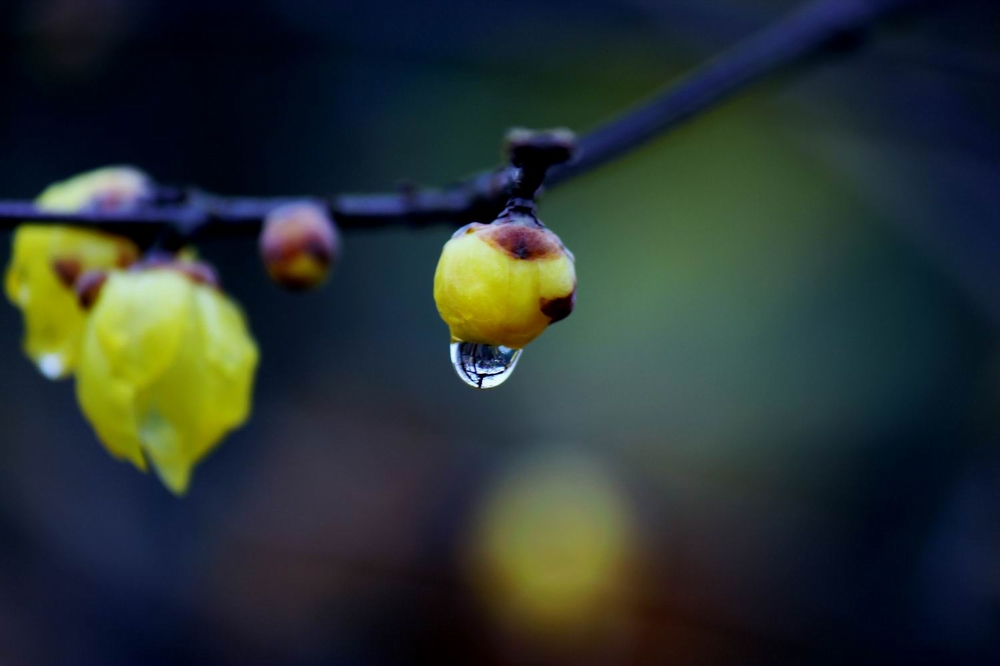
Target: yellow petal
170	409
175	473
140	319
184	351
107	402
231	356
205	393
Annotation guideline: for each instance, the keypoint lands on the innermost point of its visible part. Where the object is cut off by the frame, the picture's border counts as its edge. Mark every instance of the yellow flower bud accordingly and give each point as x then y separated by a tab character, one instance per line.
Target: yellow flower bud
166	370
502	284
46	260
299	245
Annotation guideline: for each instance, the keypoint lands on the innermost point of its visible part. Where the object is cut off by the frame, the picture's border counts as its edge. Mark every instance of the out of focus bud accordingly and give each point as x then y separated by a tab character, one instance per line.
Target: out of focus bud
503	283
553	546
46	261
299	245
166	369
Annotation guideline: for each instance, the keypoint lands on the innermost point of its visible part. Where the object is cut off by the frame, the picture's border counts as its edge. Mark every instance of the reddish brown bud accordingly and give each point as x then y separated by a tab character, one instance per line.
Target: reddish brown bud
299	245
88	287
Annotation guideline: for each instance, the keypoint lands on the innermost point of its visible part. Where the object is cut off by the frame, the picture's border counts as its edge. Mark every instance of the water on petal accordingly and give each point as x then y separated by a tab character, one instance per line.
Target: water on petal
51	365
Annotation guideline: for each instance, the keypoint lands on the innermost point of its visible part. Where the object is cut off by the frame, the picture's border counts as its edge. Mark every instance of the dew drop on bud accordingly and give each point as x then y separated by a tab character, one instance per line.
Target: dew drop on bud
483	366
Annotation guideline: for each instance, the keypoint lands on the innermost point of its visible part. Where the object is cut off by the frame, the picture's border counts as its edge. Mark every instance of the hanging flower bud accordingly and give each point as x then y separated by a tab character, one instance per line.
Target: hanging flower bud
166	370
46	261
299	245
503	283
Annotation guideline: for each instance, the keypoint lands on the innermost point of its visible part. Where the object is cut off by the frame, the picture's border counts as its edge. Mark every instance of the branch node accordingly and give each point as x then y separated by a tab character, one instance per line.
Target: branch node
532	152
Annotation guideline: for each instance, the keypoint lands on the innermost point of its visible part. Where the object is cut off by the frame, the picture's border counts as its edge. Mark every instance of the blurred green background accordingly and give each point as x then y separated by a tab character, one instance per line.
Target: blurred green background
768	433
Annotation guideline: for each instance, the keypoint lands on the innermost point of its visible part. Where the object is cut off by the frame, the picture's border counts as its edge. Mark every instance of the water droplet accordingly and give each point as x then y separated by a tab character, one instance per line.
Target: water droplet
51	365
483	366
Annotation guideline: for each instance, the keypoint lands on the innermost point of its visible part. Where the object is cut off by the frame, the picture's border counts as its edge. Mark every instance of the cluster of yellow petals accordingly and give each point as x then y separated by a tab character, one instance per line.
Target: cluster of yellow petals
166	370
164	363
53	319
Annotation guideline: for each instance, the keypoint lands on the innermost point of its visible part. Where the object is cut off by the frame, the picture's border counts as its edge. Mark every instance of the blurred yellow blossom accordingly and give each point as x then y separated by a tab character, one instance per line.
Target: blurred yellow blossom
166	370
47	259
552	546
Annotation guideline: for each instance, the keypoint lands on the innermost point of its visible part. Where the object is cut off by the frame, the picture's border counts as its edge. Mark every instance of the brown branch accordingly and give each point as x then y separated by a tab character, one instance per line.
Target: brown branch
817	27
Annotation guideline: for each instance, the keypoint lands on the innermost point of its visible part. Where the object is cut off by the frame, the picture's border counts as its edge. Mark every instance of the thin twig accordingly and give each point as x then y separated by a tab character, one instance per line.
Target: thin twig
817	27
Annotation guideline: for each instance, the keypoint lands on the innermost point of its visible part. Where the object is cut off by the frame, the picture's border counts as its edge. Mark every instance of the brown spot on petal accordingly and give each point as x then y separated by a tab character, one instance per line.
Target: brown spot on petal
557	309
88	288
522	242
67	269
